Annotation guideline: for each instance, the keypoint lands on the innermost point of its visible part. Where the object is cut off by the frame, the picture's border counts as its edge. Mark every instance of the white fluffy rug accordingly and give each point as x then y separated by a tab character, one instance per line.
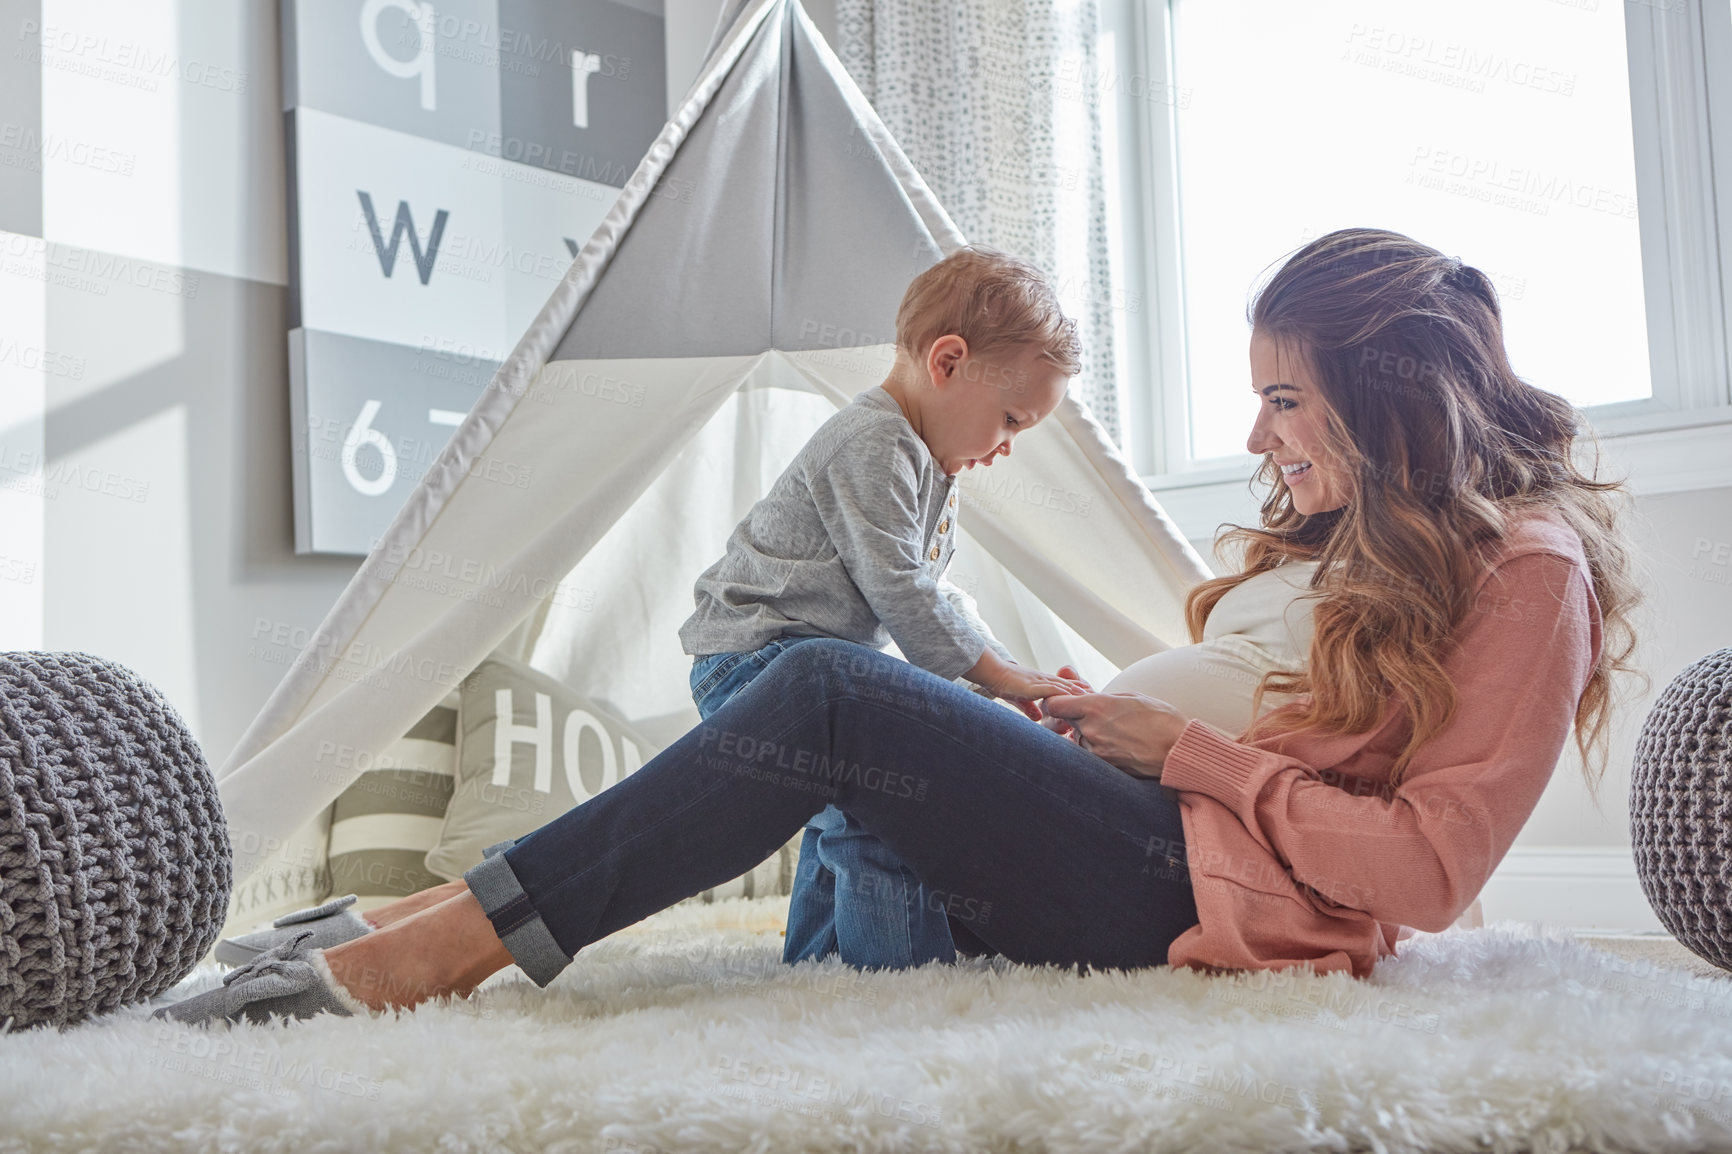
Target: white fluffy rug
686	1033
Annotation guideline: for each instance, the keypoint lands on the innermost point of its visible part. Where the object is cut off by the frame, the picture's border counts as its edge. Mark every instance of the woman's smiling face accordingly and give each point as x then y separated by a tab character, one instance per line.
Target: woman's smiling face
1290	428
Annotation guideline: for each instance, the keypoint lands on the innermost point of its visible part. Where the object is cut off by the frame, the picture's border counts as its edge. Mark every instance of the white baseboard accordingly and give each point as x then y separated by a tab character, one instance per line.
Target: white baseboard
1569	887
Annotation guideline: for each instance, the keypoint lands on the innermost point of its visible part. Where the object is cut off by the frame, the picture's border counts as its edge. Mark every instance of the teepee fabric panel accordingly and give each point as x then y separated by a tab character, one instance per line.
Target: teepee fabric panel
441	601
692	276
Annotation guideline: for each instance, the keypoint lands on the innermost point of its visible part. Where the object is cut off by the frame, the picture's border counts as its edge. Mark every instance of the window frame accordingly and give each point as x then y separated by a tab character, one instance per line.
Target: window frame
1681	112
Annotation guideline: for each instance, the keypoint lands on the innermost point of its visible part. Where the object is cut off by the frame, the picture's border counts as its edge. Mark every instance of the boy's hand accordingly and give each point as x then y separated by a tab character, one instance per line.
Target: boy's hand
1021	686
1058	724
1026	688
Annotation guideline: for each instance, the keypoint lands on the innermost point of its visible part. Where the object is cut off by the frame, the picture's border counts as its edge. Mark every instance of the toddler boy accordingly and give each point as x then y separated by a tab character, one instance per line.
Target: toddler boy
852	541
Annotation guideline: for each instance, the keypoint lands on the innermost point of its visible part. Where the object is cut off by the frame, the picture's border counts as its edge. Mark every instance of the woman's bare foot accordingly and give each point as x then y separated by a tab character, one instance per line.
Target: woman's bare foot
448	948
412	904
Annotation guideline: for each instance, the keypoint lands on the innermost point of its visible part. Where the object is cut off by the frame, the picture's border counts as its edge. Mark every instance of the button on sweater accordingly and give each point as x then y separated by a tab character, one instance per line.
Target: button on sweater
1300	850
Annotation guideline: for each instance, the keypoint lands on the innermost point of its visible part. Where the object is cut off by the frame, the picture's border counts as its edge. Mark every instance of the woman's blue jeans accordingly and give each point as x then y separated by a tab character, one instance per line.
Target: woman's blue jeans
1054	855
851	896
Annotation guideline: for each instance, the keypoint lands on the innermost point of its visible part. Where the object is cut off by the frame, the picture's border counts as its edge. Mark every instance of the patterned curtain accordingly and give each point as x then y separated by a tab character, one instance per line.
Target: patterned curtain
998	104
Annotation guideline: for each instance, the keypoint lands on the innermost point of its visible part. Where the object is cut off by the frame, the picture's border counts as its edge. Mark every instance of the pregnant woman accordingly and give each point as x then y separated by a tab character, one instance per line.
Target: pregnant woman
1469	594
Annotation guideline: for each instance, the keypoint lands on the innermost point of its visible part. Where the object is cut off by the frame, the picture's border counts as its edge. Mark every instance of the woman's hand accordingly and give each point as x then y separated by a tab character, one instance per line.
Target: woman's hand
1128	730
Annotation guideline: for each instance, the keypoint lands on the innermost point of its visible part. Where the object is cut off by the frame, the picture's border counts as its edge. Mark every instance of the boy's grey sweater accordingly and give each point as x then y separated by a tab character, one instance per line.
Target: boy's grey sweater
850	542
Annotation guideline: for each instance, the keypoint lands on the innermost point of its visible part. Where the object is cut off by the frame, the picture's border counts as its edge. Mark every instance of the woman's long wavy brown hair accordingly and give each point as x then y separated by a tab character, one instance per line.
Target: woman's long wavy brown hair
1438	444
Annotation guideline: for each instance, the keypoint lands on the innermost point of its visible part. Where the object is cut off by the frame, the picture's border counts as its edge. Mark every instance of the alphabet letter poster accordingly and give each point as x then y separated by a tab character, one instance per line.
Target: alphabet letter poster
447	160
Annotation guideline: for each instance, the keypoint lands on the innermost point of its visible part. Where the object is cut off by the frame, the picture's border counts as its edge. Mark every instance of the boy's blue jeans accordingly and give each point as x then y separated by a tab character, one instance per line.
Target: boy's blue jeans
852	896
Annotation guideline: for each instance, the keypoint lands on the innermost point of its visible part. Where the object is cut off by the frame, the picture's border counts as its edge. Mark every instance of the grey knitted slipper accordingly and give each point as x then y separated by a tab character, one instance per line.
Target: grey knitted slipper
289	980
332	924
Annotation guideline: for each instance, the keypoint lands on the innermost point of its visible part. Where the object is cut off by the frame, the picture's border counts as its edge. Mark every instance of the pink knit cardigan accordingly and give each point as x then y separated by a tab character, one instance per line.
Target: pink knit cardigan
1299	849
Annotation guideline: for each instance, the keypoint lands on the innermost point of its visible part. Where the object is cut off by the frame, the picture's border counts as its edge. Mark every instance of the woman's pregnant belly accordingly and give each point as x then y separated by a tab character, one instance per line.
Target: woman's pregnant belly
1206	681
1261	624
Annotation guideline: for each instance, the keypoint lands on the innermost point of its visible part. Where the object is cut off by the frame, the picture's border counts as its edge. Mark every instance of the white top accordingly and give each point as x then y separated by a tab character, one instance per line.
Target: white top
1262	624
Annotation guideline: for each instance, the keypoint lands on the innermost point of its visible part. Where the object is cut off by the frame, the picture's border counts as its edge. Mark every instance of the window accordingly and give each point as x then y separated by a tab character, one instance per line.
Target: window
1520	135
1497	131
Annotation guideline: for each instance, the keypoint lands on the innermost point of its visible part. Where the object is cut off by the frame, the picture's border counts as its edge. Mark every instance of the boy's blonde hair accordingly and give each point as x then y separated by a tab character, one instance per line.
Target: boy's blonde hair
993	301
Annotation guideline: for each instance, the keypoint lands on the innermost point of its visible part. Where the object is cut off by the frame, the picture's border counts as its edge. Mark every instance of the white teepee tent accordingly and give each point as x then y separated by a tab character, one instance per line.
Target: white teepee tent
742	288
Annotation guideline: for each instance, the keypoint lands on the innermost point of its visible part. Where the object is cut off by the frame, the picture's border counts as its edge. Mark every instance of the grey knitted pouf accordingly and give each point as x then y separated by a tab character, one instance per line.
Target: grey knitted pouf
114	856
1681	808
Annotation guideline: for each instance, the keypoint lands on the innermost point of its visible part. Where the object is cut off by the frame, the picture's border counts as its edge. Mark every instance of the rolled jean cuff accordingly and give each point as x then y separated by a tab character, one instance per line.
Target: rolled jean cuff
520	928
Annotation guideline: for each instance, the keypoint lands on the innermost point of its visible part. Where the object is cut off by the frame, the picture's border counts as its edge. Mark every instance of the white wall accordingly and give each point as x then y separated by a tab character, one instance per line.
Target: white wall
1688	615
156	200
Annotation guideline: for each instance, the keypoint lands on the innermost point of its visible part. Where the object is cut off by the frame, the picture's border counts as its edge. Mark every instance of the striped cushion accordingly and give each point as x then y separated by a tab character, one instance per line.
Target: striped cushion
383	825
